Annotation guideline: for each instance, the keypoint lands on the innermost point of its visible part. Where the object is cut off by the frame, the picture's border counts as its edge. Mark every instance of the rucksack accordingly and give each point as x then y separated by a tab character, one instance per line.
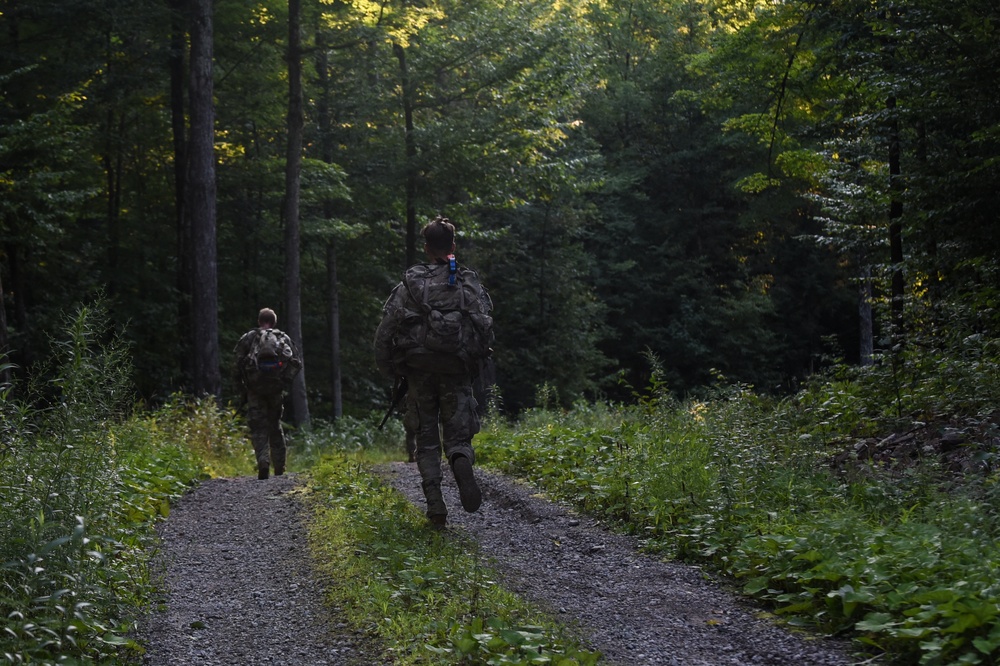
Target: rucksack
447	312
270	364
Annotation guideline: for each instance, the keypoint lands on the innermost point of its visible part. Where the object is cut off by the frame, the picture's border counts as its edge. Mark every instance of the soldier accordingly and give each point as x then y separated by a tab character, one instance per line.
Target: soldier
265	364
436	328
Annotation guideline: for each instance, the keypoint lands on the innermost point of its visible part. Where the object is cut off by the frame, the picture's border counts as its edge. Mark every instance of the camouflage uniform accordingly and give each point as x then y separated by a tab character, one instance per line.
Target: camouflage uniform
264	418
410	425
264	411
440	407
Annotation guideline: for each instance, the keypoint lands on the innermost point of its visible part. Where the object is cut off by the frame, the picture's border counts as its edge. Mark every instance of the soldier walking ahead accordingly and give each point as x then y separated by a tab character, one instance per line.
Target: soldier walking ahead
265	364
435	331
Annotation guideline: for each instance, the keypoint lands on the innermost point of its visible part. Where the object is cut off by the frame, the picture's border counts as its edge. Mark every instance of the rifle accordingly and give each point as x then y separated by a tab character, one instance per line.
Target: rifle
398	391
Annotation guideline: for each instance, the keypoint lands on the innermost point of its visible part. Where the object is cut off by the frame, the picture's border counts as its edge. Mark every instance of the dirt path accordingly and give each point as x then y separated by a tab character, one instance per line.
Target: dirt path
240	591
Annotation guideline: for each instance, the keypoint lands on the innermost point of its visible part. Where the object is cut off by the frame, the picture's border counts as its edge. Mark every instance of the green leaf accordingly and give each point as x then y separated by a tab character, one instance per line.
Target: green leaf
985	646
466	644
757	584
876	622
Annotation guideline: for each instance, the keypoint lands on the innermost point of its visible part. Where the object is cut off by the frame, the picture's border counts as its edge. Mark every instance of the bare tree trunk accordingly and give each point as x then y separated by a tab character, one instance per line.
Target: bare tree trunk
867	324
201	194
411	156
20	288
4	369
895	219
178	34
112	161
333	286
897	287
333	292
293	169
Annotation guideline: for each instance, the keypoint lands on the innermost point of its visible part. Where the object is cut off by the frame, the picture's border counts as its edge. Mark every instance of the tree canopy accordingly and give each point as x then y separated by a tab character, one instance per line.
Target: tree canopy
739	189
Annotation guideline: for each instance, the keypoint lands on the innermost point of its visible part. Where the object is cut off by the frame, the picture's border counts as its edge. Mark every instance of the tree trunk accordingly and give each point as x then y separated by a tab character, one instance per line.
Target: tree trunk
897	286
895	219
112	173
411	156
201	194
4	368
293	169
333	286
333	292
178	39
867	324
19	287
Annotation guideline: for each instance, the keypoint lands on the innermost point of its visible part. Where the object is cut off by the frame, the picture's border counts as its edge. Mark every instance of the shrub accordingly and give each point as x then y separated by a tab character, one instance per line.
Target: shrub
82	480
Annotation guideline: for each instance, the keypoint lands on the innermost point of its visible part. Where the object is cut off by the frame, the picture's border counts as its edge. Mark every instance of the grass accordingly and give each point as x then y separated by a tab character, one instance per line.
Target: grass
83	480
426	595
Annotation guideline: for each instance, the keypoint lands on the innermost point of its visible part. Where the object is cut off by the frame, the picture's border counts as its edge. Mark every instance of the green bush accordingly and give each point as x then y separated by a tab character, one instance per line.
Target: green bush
216	437
83	478
904	559
348	434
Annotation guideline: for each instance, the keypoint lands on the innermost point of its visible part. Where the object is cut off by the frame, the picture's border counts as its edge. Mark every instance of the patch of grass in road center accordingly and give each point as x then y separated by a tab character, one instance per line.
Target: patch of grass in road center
425	595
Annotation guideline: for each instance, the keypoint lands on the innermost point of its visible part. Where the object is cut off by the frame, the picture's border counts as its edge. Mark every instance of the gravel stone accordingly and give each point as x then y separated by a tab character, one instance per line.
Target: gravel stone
239	589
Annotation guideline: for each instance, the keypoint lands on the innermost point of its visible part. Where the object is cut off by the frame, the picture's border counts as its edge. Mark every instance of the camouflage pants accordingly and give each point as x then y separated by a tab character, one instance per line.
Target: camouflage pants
411	441
441	410
264	418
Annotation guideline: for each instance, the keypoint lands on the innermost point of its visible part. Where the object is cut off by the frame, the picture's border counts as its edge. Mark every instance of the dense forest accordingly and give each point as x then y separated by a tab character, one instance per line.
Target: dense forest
738	189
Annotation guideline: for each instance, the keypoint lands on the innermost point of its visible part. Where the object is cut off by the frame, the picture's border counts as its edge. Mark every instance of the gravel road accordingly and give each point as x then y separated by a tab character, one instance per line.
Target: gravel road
240	590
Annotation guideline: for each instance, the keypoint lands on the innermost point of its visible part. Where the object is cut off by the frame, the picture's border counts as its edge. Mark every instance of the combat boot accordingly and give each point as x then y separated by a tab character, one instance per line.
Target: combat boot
468	489
437	512
263	471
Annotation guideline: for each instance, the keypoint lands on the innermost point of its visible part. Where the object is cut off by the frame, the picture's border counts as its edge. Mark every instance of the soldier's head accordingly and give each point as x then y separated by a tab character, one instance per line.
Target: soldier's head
439	238
266	318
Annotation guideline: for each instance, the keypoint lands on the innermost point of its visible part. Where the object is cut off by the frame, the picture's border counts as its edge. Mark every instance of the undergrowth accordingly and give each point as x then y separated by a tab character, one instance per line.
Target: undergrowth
425	595
904	560
349	435
82	480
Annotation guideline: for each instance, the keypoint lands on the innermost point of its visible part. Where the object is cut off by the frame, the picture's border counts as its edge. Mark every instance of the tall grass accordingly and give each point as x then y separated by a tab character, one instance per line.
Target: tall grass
354	436
81	480
904	560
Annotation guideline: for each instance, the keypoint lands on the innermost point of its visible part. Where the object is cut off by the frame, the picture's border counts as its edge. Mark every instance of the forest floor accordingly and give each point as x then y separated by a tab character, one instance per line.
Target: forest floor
239	588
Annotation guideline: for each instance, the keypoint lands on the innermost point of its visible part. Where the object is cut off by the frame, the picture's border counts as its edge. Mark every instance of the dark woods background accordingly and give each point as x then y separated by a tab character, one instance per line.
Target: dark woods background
737	190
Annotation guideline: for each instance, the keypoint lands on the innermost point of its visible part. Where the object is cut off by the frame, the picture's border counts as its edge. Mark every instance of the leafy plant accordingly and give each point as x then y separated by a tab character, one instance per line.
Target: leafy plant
902	558
84	479
494	641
